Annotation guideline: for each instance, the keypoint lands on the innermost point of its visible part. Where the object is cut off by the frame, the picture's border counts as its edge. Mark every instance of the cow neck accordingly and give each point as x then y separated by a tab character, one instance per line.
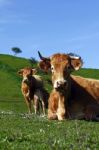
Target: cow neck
31	87
66	92
32	82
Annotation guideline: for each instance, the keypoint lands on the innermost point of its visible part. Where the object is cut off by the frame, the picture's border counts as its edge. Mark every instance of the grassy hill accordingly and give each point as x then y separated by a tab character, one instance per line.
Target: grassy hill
9	79
21	131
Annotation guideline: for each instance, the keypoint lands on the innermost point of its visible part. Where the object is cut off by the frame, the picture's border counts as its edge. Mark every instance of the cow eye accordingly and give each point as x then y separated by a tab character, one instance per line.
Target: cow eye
68	67
52	68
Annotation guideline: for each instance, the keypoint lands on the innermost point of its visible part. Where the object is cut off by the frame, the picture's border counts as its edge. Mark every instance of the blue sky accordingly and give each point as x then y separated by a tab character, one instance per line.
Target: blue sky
51	26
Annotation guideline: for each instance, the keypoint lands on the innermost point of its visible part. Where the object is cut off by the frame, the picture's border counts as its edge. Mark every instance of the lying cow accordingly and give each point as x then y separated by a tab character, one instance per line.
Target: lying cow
33	90
72	97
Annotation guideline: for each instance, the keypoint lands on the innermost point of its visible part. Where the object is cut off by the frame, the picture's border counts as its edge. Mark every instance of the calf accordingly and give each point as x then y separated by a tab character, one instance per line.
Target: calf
33	89
72	96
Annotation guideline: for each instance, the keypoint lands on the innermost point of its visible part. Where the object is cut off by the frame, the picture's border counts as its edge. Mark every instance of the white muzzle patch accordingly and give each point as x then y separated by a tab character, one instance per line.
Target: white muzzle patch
60	83
25	79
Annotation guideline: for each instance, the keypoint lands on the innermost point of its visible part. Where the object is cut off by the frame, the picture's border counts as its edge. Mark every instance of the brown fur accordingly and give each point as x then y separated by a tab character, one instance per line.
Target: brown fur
33	90
72	96
43	66
84	98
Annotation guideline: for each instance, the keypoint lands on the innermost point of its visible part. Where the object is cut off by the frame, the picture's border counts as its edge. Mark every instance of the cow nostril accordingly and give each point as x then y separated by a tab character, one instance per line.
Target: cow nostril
58	83
65	83
61	83
25	80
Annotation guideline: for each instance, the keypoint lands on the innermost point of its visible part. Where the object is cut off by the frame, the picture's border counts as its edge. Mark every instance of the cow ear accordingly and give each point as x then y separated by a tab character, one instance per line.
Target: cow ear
45	65
76	63
34	71
20	72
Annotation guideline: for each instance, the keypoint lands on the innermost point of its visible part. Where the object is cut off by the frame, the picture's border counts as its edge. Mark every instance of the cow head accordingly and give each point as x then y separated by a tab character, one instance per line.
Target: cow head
27	74
61	65
45	63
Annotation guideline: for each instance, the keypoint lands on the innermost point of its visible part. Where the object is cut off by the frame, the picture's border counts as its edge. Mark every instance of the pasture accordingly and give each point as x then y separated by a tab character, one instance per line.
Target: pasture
18	130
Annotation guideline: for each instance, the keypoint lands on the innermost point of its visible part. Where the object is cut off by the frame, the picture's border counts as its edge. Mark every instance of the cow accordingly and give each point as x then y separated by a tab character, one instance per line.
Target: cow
72	97
33	90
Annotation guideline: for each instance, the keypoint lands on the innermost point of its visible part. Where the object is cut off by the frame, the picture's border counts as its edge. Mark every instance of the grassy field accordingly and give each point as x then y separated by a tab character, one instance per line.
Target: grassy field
20	131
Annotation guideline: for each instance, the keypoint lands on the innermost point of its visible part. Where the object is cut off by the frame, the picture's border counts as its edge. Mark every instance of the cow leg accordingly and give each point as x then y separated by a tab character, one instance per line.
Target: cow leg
52	106
36	104
52	109
28	102
56	107
61	111
52	115
43	107
61	114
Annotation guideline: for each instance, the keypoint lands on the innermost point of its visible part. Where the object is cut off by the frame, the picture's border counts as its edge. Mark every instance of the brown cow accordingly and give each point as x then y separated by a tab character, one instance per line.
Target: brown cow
33	89
72	96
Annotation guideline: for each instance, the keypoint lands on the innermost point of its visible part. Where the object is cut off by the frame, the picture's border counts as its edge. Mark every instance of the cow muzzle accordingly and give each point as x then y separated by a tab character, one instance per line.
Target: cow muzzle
60	84
25	80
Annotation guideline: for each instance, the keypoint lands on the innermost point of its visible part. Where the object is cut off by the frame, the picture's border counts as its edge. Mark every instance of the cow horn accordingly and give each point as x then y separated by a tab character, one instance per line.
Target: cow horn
74	56
42	58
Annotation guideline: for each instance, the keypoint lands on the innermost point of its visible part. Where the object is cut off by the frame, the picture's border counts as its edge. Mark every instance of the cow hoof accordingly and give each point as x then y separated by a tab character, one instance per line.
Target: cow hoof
53	117
60	118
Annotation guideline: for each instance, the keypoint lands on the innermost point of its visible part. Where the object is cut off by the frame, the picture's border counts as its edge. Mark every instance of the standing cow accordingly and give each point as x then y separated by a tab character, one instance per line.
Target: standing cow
72	96
33	90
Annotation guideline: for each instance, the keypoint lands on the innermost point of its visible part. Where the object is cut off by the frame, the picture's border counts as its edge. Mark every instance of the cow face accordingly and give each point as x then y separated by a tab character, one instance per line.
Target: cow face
60	68
61	65
27	74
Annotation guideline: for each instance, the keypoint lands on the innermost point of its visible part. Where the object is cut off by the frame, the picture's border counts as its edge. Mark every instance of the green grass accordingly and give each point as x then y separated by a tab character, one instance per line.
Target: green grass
14	62
88	73
20	131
